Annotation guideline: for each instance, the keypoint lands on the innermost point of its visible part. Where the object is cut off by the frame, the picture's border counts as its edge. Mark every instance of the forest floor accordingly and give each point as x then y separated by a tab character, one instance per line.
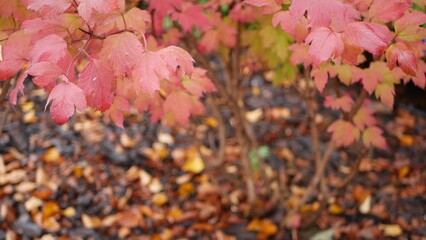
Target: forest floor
91	180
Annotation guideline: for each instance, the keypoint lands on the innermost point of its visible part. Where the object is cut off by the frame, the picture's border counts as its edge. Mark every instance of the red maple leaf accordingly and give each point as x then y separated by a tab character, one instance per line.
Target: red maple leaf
403	55
96	81
325	44
269	6
165	7
408	26
176	57
300	54
65	98
386	92
15	53
121	52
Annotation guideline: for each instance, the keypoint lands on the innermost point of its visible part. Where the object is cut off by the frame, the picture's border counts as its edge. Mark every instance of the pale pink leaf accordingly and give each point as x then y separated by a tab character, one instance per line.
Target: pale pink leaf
373	136
65	98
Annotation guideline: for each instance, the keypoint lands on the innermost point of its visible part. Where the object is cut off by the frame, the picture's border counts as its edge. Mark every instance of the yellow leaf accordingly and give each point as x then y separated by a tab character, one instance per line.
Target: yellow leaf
193	165
50	209
406	140
186	189
335	209
391	230
90	222
211	122
160	199
69	212
53	156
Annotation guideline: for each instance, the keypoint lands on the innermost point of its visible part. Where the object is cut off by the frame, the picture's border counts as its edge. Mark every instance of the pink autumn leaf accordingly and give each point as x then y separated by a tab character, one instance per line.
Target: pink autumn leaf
325	44
298	30
86	7
176	57
117	110
403	55
343	133
420	78
50	48
96	81
409	28
164	7
388	10
149	71
14	54
61	25
300	54
181	105
320	77
199	83
65	98
192	15
374	38
320	13
269	6
49	8
44	73
19	88
364	117
386	92
121	52
373	136
343	103
153	103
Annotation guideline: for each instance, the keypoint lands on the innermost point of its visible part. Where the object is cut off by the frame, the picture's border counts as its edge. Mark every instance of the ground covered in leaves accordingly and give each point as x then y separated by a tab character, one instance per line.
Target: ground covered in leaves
91	180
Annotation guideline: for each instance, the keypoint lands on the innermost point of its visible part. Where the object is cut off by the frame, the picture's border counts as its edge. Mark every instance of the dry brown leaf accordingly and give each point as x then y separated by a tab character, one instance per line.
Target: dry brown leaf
254	116
43	193
155	186
123	232
50	224
132	174
127	141
109	220
32	203
211	122
25	187
129	218
91	222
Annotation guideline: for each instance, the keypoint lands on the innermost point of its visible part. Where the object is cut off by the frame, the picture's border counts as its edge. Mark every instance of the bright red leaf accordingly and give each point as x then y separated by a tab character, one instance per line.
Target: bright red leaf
65	98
